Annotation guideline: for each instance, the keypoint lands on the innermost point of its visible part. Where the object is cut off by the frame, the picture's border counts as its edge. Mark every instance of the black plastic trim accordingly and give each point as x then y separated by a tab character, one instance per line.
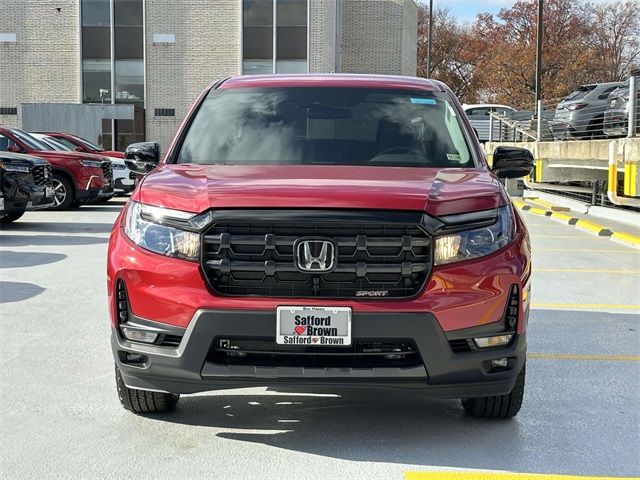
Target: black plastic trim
448	374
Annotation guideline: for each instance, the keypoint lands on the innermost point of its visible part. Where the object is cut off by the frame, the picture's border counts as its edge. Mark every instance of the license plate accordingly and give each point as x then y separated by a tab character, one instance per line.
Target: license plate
48	192
313	326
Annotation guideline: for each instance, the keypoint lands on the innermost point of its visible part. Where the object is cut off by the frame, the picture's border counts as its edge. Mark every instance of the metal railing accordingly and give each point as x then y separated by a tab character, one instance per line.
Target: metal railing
584	115
586	145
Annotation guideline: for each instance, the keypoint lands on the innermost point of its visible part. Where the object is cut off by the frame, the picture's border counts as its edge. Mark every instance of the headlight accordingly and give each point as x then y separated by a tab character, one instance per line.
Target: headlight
475	243
91	163
168	232
8	167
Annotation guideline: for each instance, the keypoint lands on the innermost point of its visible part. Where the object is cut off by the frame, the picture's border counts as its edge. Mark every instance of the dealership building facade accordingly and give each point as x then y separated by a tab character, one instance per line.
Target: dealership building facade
157	55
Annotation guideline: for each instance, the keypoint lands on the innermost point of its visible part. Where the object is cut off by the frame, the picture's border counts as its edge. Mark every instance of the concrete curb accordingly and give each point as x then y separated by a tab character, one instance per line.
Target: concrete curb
584	225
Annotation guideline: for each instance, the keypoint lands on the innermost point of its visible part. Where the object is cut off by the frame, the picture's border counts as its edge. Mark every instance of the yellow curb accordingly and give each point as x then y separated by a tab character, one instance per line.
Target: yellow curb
562	216
467	475
626	238
592	228
548	205
584	225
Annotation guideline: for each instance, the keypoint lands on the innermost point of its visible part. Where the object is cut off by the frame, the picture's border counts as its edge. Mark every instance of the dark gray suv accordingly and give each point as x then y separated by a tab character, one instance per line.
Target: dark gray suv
581	114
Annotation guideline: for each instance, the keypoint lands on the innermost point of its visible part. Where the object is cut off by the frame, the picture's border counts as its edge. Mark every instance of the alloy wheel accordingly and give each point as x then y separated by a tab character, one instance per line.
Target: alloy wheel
59	192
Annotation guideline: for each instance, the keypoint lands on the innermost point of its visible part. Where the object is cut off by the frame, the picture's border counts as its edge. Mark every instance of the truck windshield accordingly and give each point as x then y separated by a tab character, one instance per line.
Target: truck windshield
326	126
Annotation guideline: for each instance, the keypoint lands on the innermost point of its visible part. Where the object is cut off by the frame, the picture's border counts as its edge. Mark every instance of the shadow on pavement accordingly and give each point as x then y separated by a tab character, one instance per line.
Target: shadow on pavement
361	425
11	259
103	208
18	291
26	240
569	409
59	227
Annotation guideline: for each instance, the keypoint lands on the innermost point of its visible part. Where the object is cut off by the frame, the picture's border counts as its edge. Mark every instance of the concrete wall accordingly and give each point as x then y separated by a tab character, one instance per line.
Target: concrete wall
43	65
379	36
84	120
322	36
586	160
409	65
207	47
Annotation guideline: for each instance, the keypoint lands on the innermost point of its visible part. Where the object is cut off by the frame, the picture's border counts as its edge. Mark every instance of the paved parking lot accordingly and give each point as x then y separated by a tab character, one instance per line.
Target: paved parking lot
61	417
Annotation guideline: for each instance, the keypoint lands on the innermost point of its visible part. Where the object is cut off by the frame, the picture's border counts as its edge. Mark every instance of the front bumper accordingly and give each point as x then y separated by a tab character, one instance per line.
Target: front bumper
124	185
106	192
27	196
442	373
88	195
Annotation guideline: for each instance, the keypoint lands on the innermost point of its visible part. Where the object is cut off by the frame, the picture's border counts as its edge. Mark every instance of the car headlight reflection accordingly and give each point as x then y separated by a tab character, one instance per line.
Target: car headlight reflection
477	242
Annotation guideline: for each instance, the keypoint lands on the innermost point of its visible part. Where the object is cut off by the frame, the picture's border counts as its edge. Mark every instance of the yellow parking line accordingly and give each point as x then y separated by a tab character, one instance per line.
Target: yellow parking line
587	306
588	270
467	475
576	356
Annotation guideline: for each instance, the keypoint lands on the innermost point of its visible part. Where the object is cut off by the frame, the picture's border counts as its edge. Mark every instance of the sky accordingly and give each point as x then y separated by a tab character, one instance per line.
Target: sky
466	10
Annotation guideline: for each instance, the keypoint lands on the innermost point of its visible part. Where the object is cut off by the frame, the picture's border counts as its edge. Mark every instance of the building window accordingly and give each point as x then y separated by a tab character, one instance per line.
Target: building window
269	22
129	51
96	50
120	22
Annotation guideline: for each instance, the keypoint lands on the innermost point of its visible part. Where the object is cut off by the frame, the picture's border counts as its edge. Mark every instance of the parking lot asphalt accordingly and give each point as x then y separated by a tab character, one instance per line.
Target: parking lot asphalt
61	417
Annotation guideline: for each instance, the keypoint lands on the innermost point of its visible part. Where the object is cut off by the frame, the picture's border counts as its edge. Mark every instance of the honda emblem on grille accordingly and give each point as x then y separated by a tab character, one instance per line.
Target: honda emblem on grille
315	255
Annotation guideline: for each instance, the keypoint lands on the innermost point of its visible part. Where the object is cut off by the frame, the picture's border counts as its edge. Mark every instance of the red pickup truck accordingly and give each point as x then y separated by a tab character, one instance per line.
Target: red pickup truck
339	230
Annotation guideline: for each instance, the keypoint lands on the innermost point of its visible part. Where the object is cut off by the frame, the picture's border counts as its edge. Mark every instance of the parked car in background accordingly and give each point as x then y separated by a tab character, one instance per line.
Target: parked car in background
26	183
479	117
77	177
616	116
79	144
124	179
581	114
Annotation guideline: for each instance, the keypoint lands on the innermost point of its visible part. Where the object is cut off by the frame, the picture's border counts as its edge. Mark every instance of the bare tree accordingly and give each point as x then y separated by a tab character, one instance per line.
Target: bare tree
614	38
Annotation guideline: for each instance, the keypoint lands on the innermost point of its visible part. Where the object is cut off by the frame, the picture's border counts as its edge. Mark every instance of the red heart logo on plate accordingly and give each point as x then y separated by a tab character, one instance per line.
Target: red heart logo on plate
300	329
314	340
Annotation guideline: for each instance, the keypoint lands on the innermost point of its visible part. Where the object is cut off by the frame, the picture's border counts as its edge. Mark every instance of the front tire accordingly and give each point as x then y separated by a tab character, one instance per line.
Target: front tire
144	401
498	406
63	193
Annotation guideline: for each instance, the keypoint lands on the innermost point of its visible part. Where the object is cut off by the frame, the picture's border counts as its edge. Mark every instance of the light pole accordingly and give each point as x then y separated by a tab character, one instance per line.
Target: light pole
539	53
429	41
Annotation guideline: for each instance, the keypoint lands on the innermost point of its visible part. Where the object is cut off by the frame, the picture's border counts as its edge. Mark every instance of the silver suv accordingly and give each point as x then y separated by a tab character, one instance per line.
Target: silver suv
581	114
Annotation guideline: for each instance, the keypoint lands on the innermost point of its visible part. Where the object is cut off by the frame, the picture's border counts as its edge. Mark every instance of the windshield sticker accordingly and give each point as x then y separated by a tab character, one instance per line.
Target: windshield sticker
423	101
454	157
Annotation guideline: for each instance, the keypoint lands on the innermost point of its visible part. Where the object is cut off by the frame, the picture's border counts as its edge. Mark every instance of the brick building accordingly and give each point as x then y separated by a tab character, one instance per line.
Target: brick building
159	54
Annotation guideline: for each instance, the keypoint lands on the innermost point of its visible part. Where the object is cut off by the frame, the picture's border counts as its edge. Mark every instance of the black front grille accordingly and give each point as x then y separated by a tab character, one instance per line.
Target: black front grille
107	170
361	354
41	174
379	254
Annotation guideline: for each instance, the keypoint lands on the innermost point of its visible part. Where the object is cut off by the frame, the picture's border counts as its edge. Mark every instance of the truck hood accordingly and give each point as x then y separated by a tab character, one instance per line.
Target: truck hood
196	188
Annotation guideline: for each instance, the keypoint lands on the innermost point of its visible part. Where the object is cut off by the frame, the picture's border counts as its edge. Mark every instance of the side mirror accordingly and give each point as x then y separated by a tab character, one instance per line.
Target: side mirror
14	149
512	162
142	157
80	149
